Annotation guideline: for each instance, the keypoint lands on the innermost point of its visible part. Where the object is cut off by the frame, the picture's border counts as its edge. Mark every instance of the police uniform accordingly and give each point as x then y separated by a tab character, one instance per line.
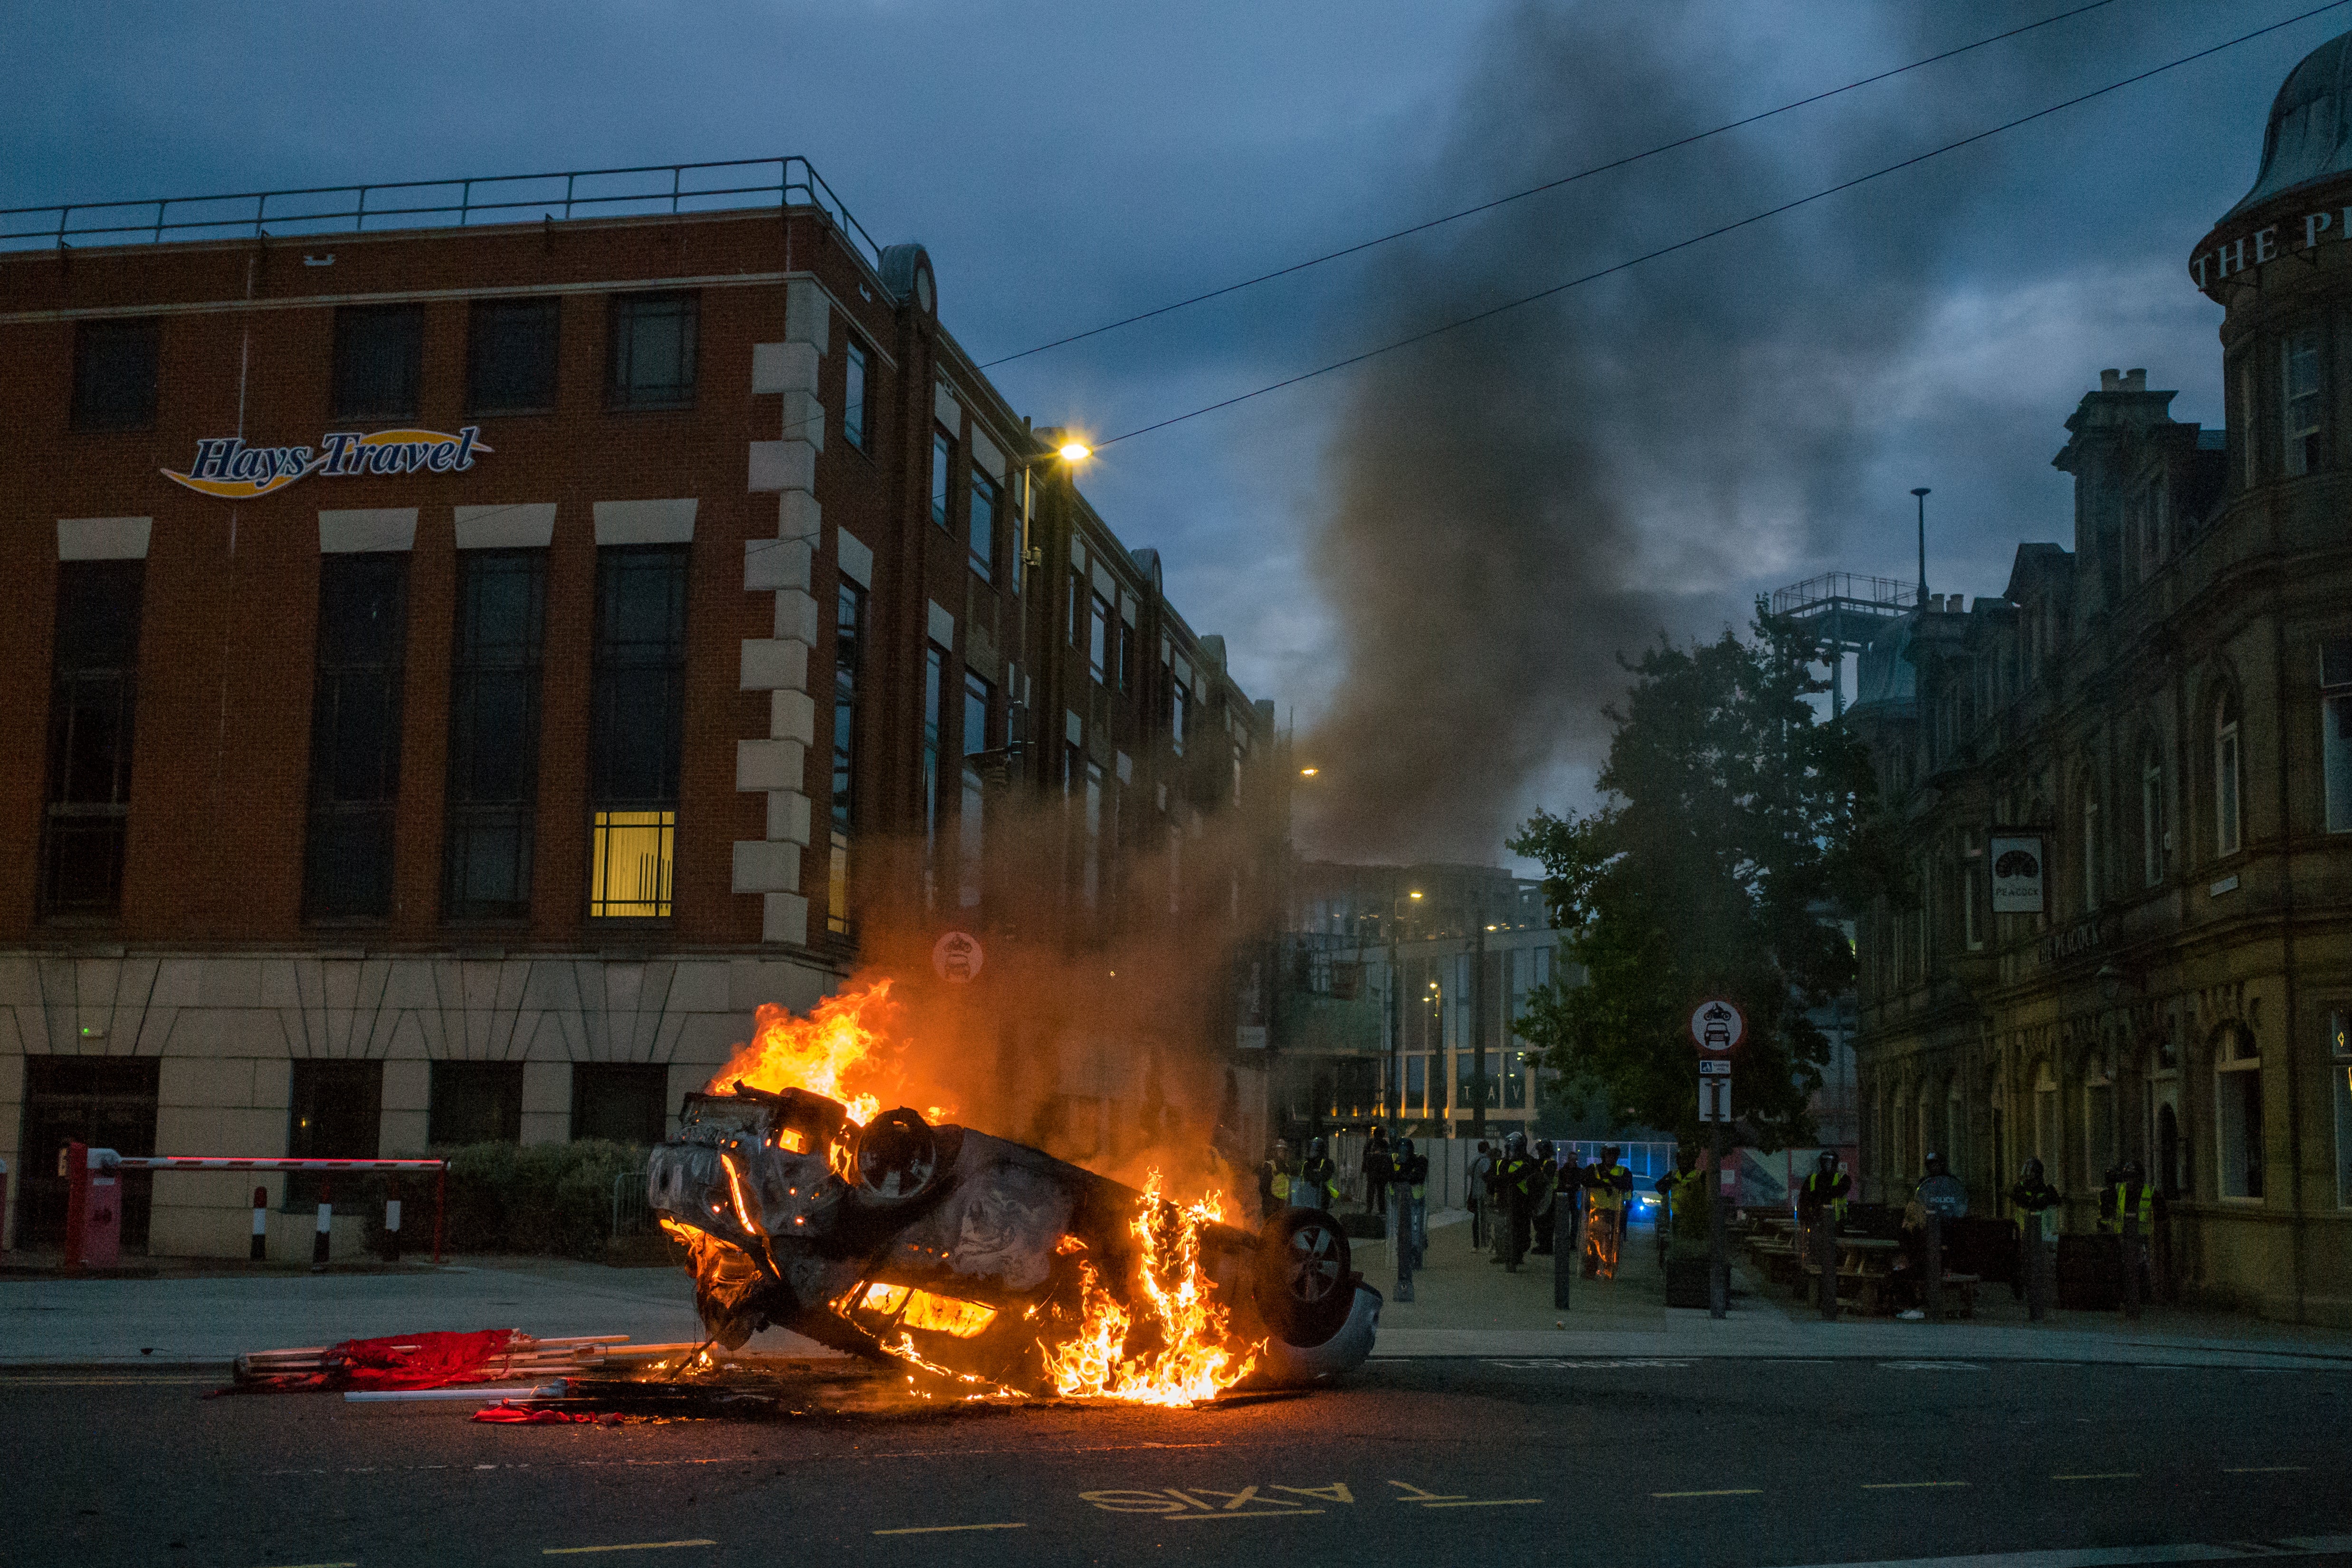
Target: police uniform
1610	1186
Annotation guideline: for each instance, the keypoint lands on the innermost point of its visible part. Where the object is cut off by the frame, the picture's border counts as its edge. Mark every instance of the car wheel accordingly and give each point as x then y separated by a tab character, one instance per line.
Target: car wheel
1304	1282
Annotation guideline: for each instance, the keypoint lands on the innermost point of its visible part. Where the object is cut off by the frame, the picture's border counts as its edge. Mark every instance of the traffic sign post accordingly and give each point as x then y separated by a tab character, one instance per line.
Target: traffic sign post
1717	1027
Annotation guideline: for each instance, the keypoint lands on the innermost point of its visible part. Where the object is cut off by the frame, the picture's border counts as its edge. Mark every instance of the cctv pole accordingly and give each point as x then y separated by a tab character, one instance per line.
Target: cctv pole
1718	1237
1478	1025
1921	494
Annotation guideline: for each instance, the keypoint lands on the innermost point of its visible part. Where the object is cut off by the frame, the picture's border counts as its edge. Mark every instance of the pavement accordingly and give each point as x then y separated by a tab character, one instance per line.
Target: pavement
1464	1307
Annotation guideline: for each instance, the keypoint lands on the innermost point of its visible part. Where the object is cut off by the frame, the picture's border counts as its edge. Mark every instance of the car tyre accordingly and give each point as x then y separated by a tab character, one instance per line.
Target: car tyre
1303	1278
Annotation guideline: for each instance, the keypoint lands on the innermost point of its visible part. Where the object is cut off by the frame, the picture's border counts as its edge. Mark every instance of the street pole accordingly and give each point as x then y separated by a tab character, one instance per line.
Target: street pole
1478	1026
1922	493
1563	1236
1718	1237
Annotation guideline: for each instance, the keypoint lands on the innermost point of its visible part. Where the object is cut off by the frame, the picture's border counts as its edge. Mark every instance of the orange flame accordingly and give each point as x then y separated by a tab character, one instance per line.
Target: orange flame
1191	1362
832	1052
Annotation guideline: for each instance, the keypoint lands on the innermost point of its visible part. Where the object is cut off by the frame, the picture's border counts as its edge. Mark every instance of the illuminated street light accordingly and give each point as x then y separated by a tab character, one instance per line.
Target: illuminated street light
1414	893
1307	772
1076	451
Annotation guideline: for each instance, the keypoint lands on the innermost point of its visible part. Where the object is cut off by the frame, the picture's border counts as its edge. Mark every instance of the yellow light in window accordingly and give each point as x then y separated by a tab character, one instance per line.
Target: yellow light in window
630	878
883	1299
946	1314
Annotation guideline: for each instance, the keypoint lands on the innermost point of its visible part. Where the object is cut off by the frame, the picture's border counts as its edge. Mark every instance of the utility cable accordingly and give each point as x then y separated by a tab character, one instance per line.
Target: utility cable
1720	230
1488	207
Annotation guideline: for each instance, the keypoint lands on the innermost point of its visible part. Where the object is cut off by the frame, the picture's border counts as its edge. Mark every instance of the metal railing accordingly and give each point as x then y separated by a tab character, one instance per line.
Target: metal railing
653	188
1846	590
633	1213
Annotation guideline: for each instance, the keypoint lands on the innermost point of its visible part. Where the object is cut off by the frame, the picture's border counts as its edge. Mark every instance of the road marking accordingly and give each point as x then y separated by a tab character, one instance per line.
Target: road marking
313	1565
947	1529
1485	1503
2261	1470
1931	1366
1906	1486
2100	1476
630	1546
1253	1514
2123	1556
1728	1491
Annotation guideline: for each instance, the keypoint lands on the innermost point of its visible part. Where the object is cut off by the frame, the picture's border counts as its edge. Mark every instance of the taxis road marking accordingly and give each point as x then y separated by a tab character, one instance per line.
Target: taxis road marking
1728	1491
1485	1503
949	1528
626	1546
1252	1513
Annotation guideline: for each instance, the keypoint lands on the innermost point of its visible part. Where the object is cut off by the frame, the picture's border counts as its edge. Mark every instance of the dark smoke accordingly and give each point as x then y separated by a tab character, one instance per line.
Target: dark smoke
1515	505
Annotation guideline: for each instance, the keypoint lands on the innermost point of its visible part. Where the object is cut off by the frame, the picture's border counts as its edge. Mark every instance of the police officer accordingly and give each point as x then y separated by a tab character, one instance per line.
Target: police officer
2038	1205
1482	1171
1546	1194
1678	1186
1315	1175
1608	1185
2133	1203
2109	1181
1379	1171
1275	1178
1821	1207
1413	1181
1515	1196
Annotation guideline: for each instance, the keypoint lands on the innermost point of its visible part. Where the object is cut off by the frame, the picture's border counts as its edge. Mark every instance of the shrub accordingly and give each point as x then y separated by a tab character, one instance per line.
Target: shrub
547	1199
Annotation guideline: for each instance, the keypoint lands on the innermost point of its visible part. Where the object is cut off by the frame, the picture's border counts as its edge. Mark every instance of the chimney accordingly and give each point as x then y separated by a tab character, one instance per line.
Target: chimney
2135	381
2111	381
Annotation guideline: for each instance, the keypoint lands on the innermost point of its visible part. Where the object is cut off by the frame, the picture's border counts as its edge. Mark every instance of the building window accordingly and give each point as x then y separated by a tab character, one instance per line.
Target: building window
1180	701
93	689
2299	424
2339	1077
2090	847
475	1103
2248	448
379	362
114	375
2045	1118
942	477
2336	730
2225	775
334	1111
1416	1083
1099	615
511	356
2151	819
2237	1116
1090	869
1972	890
636	720
653	340
625	1102
854	363
2098	1125
1123	655
355	709
986	498
972	829
494	682
935	664
849	654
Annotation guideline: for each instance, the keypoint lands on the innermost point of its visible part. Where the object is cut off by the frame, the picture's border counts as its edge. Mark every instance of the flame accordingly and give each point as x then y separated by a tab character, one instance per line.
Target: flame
1191	1362
827	1052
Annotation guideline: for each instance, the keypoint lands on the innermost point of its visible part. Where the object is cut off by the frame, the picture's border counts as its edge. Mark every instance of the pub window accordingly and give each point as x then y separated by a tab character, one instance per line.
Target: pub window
942	477
511	356
355	708
475	1103
2152	831
2226	822
2238	1114
2336	730
653	350
2299	426
855	370
379	362
2339	1076
848	653
92	703
972	824
627	1103
114	375
494	685
935	661
637	718
334	1111
985	500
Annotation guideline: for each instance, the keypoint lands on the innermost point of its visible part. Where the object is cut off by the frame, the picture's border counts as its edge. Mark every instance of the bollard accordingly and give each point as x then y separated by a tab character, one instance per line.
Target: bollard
1563	1246
1421	1230
1401	1239
261	1225
1935	1266
440	1205
326	1222
391	1220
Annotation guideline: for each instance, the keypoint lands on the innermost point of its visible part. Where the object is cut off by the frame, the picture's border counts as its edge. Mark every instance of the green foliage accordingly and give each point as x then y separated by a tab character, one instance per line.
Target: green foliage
1733	827
551	1199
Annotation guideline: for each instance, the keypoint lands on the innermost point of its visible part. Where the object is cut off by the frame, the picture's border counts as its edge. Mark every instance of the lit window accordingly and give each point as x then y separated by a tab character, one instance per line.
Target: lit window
636	728
2300	426
634	854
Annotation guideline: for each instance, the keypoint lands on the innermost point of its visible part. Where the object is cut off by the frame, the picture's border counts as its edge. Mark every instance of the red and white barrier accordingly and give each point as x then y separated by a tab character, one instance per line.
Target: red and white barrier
80	1175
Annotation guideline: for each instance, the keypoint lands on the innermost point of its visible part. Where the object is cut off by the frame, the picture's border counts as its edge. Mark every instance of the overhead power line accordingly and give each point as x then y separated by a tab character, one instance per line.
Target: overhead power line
1489	206
1461	321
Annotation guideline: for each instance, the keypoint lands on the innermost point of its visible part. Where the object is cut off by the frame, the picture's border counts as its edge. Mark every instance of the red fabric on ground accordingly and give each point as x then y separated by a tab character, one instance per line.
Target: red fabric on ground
434	1359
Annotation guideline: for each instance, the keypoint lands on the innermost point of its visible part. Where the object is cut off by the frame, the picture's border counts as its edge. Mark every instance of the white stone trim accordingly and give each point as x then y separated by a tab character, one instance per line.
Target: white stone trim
784	367
782	465
798	516
946	409
764	764
772	564
367	530
941	625
104	539
771	665
857	558
644	522
763	865
984	452
520	525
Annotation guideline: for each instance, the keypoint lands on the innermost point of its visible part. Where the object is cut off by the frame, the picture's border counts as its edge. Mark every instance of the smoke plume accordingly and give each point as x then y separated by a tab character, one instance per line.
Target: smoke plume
1515	505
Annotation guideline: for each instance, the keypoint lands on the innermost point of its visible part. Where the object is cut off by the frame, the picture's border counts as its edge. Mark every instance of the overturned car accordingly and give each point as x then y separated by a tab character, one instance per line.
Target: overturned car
943	1248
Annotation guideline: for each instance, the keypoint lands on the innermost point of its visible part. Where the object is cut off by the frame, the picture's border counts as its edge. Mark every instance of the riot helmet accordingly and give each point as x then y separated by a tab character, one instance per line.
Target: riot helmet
1544	1150
1315	1148
1405	1147
1609	1153
2032	1171
1827	1162
1938	1166
2135	1172
1516	1145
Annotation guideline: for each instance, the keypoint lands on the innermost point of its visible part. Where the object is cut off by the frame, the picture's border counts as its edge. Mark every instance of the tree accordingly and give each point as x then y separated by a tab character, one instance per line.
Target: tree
1733	826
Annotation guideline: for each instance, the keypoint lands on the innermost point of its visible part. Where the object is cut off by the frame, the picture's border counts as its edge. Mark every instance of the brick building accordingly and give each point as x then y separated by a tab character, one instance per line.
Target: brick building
2125	784
477	642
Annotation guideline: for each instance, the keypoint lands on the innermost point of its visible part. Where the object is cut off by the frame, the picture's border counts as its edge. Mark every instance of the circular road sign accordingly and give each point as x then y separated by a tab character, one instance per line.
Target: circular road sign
1716	1025
956	958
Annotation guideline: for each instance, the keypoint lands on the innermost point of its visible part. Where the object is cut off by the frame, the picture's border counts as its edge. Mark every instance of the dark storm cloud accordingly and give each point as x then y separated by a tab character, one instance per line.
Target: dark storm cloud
1513	506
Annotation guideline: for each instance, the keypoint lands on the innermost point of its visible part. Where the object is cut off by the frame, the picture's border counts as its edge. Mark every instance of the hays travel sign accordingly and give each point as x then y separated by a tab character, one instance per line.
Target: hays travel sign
228	469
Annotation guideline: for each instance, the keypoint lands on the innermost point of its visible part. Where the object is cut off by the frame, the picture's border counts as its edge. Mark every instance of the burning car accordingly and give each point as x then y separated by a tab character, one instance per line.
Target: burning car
991	1264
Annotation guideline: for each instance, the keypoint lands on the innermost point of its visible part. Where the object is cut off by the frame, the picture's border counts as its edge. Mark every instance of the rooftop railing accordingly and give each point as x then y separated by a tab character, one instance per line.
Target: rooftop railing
1847	590
651	189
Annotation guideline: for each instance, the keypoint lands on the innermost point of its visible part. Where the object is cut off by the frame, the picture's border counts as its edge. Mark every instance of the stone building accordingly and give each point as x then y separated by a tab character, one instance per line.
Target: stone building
477	642
2156	728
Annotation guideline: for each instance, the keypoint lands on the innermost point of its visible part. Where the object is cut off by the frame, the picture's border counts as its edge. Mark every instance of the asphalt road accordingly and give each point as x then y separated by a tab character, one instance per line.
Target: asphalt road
1726	1463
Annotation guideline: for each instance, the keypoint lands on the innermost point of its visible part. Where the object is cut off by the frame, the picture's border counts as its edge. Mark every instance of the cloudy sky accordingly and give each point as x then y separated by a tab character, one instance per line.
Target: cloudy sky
1431	559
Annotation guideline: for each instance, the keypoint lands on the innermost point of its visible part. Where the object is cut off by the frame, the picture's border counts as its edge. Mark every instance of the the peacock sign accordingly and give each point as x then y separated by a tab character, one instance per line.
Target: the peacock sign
2019	864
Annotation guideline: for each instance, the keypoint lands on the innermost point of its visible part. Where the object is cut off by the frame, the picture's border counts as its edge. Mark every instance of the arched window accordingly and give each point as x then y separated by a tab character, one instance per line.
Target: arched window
2152	834
2299	402
2225	774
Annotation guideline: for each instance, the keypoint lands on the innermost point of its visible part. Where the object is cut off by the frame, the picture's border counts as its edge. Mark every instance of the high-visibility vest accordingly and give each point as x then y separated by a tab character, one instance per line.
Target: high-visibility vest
1817	1184
2143	1210
1281	1182
1605	1196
